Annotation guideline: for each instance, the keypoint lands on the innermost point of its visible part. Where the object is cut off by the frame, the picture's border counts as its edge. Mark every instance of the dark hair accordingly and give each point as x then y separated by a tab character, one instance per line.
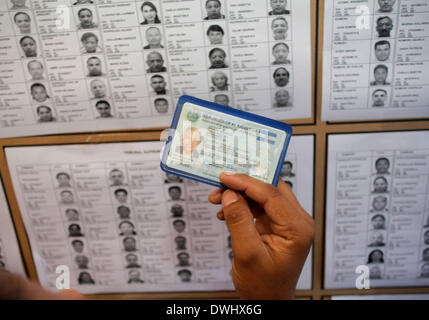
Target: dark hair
63	190
379	216
174	187
76	241
381	43
289	183
382	90
385	17
102	102
120	207
218	1
88	35
115	169
157	76
74	224
216	49
120	190
127	238
81	275
281	68
289	163
160	99
185	270
93	57
83	9
382	178
370	259
18	13
130	254
26	37
380	159
35	85
179	220
281	44
182	254
40	107
150	4
381	66
129	222
215	28
63	174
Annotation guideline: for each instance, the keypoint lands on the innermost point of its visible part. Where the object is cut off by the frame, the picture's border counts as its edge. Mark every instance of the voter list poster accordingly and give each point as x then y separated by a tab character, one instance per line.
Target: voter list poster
375	59
10	256
119	224
76	65
377	214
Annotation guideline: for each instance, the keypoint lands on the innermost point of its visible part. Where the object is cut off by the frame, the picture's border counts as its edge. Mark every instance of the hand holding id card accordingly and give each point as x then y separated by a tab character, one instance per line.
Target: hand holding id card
206	139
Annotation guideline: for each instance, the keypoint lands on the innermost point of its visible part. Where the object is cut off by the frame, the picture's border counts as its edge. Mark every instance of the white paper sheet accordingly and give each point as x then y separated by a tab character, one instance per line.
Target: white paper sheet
10	255
377	211
353	48
43	204
45	45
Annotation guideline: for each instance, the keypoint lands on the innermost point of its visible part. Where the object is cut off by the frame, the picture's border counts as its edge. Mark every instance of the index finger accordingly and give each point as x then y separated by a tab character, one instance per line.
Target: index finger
266	195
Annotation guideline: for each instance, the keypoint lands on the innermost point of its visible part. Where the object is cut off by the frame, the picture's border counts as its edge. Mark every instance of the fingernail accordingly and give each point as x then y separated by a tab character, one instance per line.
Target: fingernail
229	197
228	173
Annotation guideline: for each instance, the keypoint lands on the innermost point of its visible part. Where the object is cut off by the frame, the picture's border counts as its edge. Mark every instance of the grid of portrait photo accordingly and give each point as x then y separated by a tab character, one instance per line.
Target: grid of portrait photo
380	217
77	61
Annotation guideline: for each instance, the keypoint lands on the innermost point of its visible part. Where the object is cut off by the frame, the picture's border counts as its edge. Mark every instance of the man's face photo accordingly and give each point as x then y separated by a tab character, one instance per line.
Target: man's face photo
378	222
175	193
72	215
180	243
158	84
63	179
282	98
77	246
278	6
286	169
85	17
129	244
153	37
281	77
185	275
38	92
377	239
161	106
74	230
29	47
98	89
45	114
386	5
35	68
121	196
281	53
222	99
82	262
104	110
379	203
132	259
126	228
155	62
179	226
382	166
215	37
380	75
425	255
177	210
183	259
117	177
425	270
384	27
94	67
217	58
379	97
66	197
134	275
382	52
426	237
124	212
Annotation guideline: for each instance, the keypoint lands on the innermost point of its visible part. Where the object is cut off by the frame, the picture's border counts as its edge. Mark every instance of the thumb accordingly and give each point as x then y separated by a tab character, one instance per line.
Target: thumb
246	241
